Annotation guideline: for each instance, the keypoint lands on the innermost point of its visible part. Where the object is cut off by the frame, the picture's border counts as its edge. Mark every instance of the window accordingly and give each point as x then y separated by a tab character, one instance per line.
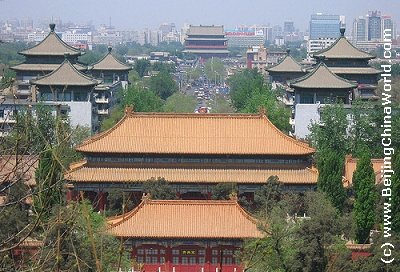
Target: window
175	252
192	260
175	260
214	260
202	260
1	113
184	260
162	260
139	259
140	251
215	252
154	259
202	252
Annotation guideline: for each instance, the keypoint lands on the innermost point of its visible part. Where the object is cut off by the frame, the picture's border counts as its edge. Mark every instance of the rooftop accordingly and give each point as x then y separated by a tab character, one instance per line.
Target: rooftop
287	64
83	173
172	133
52	45
197	219
65	75
342	49
206	30
322	78
109	62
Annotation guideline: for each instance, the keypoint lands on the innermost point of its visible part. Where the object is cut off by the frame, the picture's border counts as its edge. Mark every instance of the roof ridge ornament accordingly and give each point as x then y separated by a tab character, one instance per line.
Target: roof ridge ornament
342	30
233	196
52	27
129	110
262	111
109	48
146	197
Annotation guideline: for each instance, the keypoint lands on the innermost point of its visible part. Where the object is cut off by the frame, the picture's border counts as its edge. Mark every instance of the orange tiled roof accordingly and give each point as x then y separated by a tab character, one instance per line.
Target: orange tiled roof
25	165
166	133
350	166
190	175
185	219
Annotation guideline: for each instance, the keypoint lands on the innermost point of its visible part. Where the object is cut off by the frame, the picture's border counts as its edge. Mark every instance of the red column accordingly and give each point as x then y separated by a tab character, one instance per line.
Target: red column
168	258
208	258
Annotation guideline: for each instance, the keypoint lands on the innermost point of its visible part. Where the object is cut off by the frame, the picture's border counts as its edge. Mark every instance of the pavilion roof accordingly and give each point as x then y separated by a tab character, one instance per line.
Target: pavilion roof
22	167
109	62
287	64
52	45
83	173
206	30
172	133
43	67
342	49
322	78
185	219
355	70
65	75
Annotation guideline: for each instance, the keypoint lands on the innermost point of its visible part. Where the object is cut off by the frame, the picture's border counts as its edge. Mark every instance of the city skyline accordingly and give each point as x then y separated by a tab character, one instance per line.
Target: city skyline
231	13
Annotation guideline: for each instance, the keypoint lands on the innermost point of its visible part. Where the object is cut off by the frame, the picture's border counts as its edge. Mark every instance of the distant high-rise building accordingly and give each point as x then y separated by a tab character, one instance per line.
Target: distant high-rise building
374	26
288	27
325	26
360	29
388	23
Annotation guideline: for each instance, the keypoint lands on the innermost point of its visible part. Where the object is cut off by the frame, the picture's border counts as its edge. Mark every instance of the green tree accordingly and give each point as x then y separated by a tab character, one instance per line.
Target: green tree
179	102
142	66
163	84
223	191
249	93
331	167
76	240
159	189
365	197
268	195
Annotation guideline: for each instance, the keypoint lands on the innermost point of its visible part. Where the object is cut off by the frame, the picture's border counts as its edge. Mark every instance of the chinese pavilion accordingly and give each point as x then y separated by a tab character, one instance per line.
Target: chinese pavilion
347	61
114	77
194	152
185	235
206	41
71	87
42	59
287	69
320	86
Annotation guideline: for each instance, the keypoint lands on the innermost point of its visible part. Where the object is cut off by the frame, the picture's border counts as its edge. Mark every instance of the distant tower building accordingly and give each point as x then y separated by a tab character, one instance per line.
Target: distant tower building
360	29
374	26
388	23
288	27
324	26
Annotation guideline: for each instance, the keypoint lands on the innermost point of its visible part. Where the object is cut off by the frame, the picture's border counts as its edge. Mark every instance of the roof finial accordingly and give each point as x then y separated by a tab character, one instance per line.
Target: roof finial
128	110
288	51
109	49
66	55
233	196
146	197
262	111
52	27
342	30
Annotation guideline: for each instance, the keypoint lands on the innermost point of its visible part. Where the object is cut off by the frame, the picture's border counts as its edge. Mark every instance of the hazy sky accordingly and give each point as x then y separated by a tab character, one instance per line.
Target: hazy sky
135	14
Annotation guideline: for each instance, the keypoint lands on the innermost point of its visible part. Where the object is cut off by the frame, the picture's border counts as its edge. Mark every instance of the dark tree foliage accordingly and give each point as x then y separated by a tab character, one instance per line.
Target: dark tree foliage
365	197
223	191
268	195
163	84
249	93
142	67
118	202
159	189
331	167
